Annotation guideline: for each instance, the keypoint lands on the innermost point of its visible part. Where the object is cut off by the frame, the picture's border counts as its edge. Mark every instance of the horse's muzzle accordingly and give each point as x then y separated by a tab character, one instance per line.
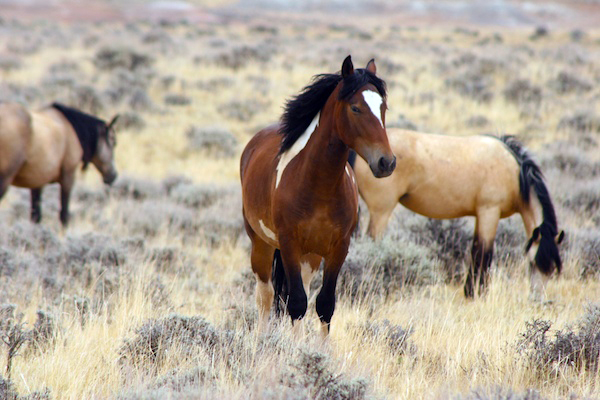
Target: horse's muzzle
109	177
385	166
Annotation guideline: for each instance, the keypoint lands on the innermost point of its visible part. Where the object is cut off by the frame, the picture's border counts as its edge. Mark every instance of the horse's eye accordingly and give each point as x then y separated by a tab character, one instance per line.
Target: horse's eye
355	109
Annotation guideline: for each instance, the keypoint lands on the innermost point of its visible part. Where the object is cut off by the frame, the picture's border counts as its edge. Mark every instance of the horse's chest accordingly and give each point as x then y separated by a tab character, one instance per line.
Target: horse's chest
319	233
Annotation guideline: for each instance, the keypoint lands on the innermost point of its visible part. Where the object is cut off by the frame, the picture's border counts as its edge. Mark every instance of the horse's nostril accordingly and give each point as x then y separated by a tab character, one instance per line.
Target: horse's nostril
393	164
382	164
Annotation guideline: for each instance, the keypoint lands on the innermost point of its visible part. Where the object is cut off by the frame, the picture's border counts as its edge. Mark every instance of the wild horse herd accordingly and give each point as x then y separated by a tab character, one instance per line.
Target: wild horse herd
300	192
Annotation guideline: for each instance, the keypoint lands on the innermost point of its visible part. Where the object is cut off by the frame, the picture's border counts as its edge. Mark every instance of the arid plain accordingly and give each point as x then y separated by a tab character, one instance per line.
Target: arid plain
149	293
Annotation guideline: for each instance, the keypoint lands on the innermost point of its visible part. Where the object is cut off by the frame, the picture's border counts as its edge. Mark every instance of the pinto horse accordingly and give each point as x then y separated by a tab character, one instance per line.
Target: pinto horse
46	146
299	195
488	177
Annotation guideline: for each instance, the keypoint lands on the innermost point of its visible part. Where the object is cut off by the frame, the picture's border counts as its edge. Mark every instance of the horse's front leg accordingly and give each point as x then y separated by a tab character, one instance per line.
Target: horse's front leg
297	301
36	208
326	299
66	185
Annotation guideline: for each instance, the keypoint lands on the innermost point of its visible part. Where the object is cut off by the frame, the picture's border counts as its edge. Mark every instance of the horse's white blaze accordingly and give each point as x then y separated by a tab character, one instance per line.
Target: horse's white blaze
374	100
270	234
293	151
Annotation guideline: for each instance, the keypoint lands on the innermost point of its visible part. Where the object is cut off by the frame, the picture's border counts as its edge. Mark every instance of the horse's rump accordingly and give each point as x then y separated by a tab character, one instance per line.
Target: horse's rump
15	137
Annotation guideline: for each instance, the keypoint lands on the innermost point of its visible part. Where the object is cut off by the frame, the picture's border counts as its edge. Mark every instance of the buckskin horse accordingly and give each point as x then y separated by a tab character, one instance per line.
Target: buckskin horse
47	146
299	195
487	177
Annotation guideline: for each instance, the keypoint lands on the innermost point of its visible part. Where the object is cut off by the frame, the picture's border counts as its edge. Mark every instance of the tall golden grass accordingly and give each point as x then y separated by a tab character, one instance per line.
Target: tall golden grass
457	348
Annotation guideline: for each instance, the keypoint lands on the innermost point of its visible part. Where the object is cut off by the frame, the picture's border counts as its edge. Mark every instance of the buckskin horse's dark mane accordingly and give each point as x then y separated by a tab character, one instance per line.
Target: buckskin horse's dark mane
301	109
87	127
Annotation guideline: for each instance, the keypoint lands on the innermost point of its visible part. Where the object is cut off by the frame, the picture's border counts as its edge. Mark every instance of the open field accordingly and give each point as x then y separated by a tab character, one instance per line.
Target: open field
149	293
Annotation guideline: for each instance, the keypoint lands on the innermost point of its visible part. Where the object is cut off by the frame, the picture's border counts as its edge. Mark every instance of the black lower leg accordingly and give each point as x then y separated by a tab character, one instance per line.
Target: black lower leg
36	209
481	260
326	301
64	210
297	300
3	187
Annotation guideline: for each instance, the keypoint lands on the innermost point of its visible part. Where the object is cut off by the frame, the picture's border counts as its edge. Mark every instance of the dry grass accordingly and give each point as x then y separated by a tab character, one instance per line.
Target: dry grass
157	253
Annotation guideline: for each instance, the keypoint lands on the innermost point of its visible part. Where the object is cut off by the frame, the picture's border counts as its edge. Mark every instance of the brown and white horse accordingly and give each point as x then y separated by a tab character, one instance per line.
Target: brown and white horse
46	146
487	177
299	194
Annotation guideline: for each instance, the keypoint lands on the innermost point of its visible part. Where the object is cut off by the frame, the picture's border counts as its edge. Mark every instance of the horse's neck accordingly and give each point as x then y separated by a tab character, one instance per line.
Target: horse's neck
325	156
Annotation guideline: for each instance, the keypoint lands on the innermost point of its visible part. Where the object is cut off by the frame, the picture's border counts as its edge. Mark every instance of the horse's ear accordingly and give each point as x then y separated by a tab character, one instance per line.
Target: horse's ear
371	66
112	122
534	236
347	67
560	237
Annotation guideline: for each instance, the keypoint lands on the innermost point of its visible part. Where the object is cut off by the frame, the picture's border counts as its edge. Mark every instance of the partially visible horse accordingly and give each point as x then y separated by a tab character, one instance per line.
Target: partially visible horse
488	177
47	146
299	194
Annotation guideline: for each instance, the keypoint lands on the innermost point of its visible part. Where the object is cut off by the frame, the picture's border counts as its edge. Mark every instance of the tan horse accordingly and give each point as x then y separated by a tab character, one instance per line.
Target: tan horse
299	194
486	177
46	146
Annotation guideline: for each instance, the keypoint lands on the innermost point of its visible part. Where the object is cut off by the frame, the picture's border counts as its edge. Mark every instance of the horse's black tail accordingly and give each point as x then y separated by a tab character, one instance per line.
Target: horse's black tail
279	284
531	178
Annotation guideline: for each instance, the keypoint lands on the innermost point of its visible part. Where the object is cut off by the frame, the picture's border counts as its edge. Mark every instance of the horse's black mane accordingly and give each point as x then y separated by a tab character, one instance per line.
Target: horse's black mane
301	109
87	128
531	177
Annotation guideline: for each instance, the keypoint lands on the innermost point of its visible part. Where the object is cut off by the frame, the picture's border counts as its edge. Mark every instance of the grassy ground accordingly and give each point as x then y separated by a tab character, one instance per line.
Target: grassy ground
149	294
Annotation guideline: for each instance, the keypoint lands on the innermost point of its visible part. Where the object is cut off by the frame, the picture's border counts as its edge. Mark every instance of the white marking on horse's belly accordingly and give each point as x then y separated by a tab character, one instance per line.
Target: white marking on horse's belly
270	234
374	101
293	151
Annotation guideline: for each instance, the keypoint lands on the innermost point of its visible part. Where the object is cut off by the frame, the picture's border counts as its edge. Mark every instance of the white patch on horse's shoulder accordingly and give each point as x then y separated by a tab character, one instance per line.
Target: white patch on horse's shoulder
293	151
270	234
374	100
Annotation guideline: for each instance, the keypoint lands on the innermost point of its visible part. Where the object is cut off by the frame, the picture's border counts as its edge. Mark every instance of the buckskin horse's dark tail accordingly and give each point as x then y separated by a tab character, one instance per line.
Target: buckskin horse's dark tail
531	178
279	284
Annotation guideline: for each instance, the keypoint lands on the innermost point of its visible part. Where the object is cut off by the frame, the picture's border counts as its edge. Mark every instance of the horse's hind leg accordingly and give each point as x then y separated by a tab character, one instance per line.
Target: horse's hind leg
482	251
3	187
36	208
309	265
66	185
261	260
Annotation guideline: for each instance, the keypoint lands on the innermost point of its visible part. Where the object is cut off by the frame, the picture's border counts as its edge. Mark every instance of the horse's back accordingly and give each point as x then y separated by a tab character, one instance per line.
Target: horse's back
444	176
54	148
15	137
